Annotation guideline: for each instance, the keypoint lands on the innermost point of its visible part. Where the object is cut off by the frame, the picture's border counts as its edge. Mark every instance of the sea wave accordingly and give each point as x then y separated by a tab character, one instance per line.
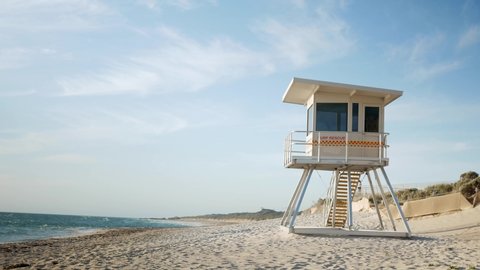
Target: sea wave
17	227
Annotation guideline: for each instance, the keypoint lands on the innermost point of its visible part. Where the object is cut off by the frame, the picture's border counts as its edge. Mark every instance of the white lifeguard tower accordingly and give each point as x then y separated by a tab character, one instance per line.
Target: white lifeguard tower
344	135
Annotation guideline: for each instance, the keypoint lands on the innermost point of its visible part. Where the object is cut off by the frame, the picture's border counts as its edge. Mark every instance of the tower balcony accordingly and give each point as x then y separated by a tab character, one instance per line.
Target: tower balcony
331	150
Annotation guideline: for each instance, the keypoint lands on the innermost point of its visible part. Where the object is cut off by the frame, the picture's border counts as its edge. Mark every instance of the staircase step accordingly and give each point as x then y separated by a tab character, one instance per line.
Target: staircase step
338	221
339	215
338	218
340	225
342	198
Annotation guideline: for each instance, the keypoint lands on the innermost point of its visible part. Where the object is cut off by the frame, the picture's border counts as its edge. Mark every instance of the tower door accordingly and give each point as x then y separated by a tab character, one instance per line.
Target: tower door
372	119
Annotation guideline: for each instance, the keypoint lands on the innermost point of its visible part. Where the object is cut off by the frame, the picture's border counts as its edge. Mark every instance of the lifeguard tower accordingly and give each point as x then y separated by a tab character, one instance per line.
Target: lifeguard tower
345	135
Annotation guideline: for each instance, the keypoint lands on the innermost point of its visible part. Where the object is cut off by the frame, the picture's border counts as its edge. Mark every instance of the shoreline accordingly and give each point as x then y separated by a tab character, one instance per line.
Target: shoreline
251	244
196	223
89	235
78	233
33	231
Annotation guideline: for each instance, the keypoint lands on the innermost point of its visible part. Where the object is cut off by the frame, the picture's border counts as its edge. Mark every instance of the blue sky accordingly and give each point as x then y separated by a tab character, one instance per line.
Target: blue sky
163	108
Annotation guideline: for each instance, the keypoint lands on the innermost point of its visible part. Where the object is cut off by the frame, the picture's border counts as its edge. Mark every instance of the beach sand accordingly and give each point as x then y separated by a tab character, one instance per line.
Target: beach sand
258	245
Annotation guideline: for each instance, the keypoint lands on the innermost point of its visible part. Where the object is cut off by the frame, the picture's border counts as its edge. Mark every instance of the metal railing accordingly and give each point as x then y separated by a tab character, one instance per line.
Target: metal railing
336	145
329	198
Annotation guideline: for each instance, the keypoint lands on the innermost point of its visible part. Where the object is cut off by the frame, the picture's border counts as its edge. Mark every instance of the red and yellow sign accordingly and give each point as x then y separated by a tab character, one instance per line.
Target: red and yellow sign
340	141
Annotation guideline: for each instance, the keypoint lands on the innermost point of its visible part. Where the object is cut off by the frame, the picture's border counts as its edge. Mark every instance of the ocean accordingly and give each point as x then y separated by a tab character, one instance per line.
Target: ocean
18	227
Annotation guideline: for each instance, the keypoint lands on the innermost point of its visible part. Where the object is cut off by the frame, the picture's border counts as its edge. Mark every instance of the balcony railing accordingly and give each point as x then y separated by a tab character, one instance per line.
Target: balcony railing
335	146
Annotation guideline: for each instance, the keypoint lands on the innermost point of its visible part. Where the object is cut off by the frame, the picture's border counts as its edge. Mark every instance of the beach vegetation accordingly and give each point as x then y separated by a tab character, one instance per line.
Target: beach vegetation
260	215
466	185
318	204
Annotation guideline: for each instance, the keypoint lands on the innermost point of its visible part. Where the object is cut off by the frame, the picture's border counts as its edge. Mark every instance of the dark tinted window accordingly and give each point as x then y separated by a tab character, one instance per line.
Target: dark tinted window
372	119
332	116
355	117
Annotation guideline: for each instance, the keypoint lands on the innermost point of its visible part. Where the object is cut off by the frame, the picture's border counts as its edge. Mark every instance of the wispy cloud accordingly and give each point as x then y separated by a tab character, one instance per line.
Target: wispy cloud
424	72
469	37
18	93
148	3
427	111
424	57
183	64
20	57
299	3
47	15
127	126
135	123
181	4
18	143
423	46
122	126
13	58
303	44
68	159
179	64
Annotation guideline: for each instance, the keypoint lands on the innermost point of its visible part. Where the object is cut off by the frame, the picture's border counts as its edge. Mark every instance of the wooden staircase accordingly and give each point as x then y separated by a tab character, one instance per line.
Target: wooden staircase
342	195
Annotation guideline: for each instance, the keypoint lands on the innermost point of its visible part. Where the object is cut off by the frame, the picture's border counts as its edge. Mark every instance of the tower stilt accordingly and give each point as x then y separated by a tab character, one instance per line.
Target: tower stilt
384	199
290	214
349	200
397	204
334	213
375	200
300	199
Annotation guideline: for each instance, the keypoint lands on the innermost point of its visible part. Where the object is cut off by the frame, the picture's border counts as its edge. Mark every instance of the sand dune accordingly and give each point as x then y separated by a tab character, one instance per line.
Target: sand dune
261	244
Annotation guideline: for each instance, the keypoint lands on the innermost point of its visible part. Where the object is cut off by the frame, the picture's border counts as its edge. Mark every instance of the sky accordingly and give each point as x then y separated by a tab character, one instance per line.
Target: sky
147	108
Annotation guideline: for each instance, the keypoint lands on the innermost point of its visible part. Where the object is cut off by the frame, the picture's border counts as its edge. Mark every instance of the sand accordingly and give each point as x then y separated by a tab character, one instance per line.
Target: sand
257	245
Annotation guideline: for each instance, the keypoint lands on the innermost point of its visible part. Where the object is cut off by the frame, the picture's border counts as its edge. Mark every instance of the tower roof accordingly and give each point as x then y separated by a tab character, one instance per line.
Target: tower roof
300	90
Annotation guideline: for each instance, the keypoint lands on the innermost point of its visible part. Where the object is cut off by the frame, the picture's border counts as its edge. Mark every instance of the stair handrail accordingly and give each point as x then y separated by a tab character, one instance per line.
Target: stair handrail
329	199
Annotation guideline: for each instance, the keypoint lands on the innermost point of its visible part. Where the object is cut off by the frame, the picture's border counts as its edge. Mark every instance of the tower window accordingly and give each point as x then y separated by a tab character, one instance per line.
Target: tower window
332	117
355	117
372	119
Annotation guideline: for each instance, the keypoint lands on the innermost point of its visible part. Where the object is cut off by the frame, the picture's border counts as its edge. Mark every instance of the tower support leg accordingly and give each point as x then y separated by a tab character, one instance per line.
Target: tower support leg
334	213
397	204
384	199
300	199
374	200
289	211
349	200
